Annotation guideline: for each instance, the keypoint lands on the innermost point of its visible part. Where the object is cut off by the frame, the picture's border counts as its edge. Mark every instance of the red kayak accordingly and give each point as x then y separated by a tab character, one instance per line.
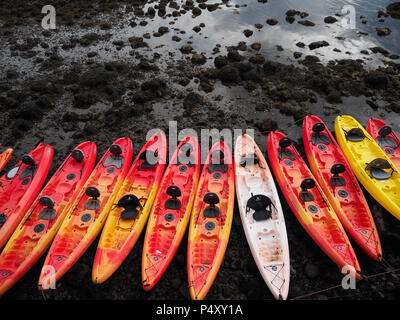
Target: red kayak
171	211
20	186
386	138
309	203
39	226
334	174
86	216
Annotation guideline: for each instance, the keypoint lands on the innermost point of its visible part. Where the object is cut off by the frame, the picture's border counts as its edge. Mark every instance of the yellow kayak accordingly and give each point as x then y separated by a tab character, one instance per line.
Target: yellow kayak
369	162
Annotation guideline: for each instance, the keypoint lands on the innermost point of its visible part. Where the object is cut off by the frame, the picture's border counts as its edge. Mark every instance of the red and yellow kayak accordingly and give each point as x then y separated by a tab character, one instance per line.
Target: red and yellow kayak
87	215
334	175
211	220
386	138
128	217
309	203
43	219
5	156
171	211
20	186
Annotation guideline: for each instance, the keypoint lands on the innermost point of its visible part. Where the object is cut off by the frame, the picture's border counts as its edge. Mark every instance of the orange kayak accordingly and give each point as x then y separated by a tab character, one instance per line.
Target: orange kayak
87	215
309	203
334	174
171	211
5	156
386	138
20	186
211	220
43	219
135	198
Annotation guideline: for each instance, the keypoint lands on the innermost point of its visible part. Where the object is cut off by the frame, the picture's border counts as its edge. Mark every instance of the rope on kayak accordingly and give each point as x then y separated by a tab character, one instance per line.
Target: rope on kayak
340	285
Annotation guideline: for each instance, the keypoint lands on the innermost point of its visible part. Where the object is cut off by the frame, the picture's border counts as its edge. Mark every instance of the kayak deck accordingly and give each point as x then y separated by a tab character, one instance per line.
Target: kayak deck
265	228
341	187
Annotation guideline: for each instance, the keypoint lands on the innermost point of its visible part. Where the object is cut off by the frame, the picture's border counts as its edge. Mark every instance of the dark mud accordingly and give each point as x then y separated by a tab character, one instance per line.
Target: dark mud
88	80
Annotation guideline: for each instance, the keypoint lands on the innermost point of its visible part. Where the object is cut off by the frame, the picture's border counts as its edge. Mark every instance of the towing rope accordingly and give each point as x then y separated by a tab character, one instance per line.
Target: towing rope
340	285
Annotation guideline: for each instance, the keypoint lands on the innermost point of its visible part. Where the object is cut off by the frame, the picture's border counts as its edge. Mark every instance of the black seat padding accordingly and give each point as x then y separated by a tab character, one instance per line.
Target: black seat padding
376	168
28	172
46	202
28	160
305	185
249	160
261	205
150	159
78	155
283	153
174	192
387	142
385	131
92	192
211	199
130	203
318	137
337	169
116	150
115	161
47	214
355	135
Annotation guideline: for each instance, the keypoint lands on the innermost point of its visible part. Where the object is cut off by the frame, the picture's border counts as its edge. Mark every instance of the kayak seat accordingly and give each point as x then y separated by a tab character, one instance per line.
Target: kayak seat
318	137
355	135
185	155
212	211
217	162
93	203
386	142
150	159
283	153
376	168
130	203
115	161
261	205
336	180
305	185
28	172
78	155
217	167
28	160
174	192
47	214
249	160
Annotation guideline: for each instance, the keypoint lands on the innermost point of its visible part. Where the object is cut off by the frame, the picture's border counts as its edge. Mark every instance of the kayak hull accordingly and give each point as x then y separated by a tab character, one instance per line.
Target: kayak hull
167	224
312	210
37	229
267	237
343	192
119	236
209	231
87	215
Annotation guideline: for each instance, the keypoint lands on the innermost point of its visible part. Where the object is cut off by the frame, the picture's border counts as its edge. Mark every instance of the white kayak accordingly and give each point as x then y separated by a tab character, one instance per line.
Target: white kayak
262	216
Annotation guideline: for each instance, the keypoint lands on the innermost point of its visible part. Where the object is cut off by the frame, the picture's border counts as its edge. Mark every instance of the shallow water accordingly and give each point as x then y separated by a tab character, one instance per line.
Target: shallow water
225	26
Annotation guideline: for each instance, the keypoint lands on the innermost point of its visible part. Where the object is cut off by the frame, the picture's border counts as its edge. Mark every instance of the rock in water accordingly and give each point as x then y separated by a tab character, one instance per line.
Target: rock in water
394	10
318	44
383	31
